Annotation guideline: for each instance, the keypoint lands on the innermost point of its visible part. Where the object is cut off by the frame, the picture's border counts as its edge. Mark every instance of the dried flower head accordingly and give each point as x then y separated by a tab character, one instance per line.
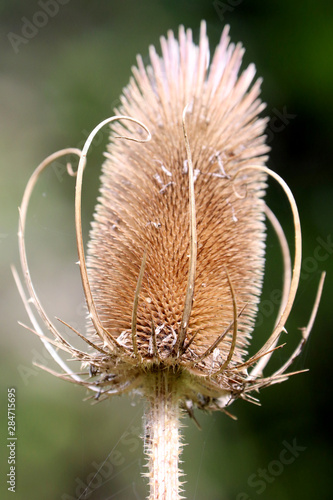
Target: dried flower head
177	249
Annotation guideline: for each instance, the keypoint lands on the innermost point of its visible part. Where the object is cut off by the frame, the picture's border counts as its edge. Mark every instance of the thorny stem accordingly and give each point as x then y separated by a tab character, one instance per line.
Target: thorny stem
162	437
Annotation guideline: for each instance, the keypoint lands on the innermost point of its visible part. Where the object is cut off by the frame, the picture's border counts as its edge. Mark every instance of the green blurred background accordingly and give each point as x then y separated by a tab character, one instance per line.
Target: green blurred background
54	89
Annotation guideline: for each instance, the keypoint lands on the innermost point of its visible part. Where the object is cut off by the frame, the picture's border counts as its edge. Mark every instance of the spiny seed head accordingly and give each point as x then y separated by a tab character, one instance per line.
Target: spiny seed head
177	248
144	207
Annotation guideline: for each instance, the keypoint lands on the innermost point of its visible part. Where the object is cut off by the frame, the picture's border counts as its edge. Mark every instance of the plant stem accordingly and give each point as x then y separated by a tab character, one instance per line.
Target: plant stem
162	437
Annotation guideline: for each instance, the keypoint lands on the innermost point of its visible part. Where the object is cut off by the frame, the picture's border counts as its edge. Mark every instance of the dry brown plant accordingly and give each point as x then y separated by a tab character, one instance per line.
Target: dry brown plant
177	248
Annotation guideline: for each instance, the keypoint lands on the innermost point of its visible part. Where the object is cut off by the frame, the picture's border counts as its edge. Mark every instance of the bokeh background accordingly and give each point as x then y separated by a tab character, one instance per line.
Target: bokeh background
56	83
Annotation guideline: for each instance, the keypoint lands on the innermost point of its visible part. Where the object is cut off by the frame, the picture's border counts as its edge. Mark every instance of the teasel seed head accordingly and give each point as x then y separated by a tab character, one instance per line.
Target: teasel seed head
177	247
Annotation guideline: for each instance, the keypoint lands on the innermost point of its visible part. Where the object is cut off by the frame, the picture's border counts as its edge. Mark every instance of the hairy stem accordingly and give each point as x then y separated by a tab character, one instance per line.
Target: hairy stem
162	437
